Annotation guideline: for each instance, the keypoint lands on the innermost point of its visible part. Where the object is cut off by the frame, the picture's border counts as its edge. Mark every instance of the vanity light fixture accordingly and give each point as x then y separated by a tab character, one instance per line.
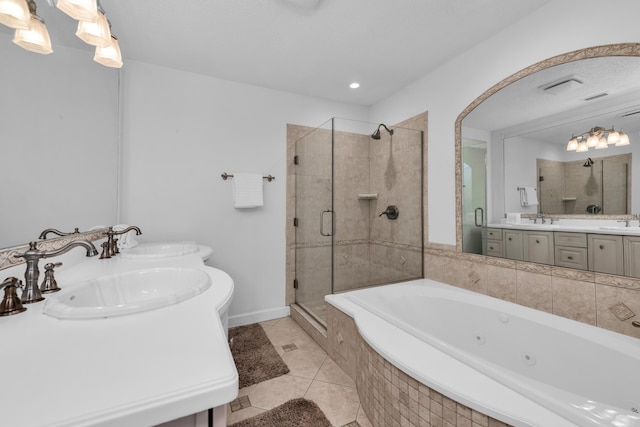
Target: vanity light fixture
93	28
354	85
36	37
15	14
598	138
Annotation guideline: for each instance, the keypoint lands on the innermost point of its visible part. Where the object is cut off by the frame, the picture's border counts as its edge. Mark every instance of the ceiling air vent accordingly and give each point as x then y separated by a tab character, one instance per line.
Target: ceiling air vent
600	95
629	114
561	85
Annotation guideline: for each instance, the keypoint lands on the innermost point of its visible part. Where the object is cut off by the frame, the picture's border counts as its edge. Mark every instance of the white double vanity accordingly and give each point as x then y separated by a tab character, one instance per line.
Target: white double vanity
136	340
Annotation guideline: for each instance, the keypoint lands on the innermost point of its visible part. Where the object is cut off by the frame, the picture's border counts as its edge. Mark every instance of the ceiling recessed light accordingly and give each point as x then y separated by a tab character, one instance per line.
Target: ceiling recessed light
354	85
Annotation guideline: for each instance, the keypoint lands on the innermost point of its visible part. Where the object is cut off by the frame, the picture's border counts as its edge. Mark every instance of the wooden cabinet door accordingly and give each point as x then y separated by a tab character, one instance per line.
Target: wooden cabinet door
513	244
631	256
538	247
606	254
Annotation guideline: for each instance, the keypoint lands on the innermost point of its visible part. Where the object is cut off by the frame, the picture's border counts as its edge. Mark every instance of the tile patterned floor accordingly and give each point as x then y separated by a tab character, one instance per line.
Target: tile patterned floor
313	375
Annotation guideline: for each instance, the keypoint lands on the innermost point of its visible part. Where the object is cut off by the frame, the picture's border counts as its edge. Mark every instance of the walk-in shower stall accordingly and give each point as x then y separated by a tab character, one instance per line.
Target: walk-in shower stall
358	208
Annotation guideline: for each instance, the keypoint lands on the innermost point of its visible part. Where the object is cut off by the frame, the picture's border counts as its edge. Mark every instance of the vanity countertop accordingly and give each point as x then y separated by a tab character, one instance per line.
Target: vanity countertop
580	228
132	370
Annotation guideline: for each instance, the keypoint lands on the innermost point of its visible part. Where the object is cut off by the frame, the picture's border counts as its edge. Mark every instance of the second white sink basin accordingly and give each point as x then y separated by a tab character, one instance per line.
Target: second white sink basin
160	250
127	293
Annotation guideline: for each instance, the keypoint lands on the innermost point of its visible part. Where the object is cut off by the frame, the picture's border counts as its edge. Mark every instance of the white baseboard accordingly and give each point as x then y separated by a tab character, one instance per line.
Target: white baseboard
258	316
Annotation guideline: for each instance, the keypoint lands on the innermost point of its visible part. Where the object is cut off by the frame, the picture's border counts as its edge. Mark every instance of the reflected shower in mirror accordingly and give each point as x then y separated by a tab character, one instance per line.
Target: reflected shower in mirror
527	122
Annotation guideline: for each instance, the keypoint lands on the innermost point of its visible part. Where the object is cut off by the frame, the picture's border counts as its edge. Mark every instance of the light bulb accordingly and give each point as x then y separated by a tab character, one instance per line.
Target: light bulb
80	10
582	147
95	33
573	144
613	137
36	38
624	140
15	14
592	141
602	143
109	56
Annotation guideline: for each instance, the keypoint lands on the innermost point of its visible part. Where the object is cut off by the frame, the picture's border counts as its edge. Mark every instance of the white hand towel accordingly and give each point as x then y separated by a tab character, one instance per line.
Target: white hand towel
530	196
247	190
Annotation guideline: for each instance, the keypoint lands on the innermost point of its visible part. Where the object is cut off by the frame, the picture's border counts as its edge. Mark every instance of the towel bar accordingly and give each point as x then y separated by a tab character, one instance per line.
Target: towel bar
229	175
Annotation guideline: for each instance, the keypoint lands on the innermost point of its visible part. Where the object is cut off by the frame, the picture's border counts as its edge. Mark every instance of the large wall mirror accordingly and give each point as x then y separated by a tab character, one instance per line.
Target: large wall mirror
514	138
59	115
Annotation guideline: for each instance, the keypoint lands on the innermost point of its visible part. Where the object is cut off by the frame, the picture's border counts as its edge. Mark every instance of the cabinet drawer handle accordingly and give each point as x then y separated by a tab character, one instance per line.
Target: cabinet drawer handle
601	246
491	247
569	258
537	241
509	238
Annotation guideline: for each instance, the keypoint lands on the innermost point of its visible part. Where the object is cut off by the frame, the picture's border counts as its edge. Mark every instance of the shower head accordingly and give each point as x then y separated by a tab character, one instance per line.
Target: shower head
376	134
588	163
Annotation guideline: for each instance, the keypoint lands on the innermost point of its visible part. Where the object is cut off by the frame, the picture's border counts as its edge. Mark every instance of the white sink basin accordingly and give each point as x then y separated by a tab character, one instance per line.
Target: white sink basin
127	293
160	250
537	226
620	228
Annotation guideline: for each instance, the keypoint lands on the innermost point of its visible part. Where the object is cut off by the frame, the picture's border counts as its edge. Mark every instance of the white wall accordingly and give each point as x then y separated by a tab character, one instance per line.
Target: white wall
559	27
181	131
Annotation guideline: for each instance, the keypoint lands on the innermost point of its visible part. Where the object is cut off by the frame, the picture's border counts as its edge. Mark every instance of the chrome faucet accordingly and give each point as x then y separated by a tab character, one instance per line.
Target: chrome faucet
626	222
31	292
541	216
43	235
110	247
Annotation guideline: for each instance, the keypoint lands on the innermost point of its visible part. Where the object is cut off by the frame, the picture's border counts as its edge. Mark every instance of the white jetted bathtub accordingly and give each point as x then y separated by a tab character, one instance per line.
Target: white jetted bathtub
522	366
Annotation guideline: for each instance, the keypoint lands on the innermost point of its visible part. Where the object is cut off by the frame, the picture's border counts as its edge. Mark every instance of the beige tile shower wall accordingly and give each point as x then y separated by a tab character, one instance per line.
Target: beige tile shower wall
351	177
551	190
583	296
396	175
392	263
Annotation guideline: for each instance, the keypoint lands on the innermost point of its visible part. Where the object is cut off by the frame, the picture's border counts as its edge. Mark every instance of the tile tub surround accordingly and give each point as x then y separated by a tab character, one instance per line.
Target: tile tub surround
388	396
583	296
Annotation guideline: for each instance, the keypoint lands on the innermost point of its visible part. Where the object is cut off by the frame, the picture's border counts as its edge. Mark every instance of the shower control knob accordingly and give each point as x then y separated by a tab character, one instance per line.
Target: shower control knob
391	212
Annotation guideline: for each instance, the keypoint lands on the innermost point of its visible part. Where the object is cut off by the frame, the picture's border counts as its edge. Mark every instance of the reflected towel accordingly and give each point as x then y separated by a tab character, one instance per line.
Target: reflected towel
247	190
528	196
125	240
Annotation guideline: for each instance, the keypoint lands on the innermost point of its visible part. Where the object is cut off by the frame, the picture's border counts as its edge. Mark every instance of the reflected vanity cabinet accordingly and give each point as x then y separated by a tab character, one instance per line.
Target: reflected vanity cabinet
513	245
494	242
606	253
631	256
538	246
571	250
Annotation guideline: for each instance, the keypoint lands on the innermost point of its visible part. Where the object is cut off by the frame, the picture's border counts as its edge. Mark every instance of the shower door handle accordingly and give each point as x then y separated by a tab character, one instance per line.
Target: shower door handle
322	223
481	217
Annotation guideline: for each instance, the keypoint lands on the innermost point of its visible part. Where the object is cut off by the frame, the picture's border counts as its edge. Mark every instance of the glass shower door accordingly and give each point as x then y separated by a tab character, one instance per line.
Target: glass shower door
314	217
474	195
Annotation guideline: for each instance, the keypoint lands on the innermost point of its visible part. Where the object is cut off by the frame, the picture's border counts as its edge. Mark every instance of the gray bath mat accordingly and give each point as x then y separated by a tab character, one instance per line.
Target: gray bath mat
255	358
294	413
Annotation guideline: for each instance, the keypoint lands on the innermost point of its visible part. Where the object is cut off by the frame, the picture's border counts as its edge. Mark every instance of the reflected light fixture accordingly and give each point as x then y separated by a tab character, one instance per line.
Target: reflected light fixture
81	10
109	55
598	138
15	14
354	85
36	37
95	33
